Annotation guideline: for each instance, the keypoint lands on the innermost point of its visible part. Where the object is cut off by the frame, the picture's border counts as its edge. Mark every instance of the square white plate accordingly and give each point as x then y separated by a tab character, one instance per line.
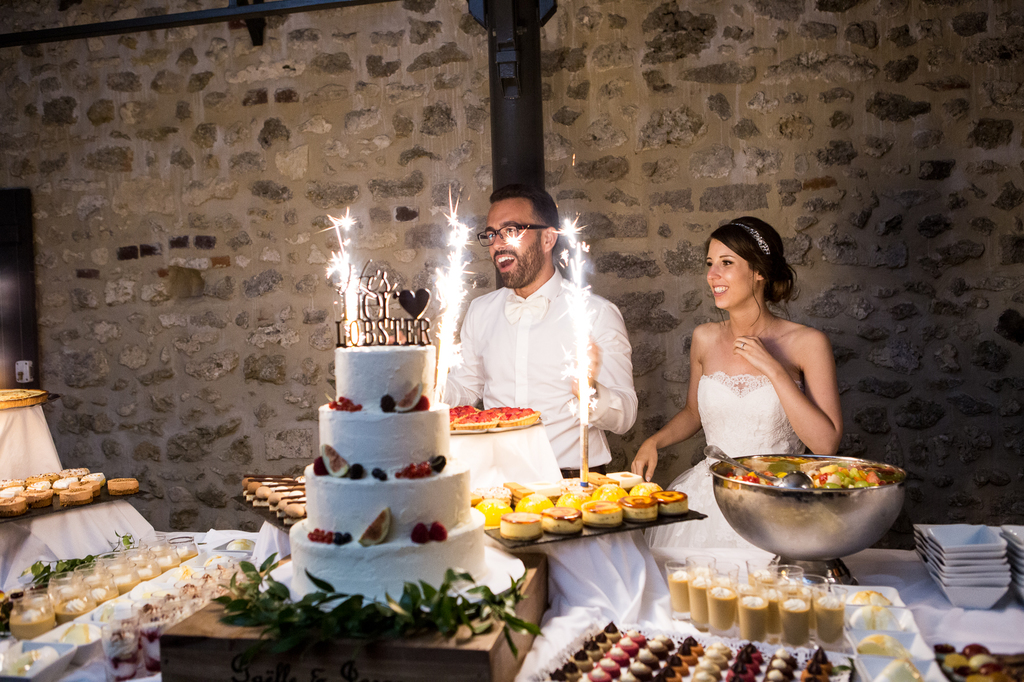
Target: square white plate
911	641
890	593
969	565
973	597
85	651
974	581
968	554
51	672
870	667
963	537
1013	534
1019	591
904	618
979	572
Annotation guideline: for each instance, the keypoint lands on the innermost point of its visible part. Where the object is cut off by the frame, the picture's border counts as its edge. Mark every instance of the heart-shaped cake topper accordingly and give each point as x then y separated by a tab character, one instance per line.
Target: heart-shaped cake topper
412	302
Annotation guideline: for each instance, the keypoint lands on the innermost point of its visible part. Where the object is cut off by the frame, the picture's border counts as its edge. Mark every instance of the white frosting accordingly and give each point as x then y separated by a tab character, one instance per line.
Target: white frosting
385	568
794	605
874	618
347	506
722	593
681	576
376	439
366	374
64	483
11	493
830	602
753	602
700	581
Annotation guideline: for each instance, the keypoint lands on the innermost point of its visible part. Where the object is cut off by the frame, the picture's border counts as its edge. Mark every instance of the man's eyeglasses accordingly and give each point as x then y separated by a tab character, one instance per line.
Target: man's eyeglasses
507	233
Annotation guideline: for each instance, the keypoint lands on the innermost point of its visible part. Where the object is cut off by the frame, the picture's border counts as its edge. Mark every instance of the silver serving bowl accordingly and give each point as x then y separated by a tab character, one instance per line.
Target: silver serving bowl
817	525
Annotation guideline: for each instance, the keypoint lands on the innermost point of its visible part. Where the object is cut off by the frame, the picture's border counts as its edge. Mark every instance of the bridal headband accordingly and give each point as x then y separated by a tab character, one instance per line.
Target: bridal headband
757	237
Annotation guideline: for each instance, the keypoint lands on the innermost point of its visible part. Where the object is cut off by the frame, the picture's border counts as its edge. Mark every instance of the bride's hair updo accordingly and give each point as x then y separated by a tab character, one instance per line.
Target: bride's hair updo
757	242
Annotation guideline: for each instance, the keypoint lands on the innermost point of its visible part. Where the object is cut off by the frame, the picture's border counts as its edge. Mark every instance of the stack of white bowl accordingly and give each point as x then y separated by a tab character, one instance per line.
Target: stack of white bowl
1014	536
968	562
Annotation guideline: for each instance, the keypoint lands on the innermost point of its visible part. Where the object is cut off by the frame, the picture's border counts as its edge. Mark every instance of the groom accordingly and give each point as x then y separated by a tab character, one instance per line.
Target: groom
516	341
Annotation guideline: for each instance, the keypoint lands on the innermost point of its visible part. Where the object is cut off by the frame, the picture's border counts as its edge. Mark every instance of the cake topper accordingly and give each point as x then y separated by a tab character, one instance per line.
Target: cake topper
370	317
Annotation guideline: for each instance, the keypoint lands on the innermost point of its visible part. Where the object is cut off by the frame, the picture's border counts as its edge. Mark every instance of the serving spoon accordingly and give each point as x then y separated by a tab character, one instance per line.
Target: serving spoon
792	480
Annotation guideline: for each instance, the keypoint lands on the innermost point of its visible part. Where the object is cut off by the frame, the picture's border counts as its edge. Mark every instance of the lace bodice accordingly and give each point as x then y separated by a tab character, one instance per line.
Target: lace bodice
742	415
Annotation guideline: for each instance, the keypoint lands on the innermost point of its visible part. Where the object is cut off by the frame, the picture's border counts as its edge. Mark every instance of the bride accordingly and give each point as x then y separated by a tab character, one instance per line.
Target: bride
760	384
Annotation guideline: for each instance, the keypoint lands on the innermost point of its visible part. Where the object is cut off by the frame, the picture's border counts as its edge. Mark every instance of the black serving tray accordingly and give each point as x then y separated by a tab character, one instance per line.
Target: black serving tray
55	507
589	531
264	512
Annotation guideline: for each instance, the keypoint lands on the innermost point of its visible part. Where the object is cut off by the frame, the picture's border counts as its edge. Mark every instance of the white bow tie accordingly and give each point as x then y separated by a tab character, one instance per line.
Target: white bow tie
515	306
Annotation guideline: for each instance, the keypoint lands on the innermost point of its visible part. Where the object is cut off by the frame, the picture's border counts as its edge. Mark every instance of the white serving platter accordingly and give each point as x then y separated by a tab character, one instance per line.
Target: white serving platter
973	597
85	651
904	618
870	667
911	641
50	673
890	593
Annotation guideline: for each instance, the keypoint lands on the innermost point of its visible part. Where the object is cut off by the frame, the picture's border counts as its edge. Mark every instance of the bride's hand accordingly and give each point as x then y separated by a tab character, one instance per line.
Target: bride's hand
645	461
753	351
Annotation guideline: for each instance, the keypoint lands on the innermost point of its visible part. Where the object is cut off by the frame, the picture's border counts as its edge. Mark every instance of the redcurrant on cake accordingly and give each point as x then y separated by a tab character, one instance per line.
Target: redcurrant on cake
385	503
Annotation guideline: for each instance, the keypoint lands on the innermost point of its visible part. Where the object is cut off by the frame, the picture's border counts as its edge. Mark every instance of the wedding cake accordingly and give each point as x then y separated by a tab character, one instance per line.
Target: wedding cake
385	503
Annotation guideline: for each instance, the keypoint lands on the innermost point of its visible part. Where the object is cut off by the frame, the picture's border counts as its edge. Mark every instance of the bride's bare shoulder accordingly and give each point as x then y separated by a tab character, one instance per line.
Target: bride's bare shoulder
705	334
798	335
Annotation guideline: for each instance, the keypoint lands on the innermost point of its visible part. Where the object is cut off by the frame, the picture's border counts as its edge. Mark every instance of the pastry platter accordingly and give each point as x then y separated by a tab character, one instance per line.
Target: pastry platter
55	508
264	512
592	531
496	429
24	397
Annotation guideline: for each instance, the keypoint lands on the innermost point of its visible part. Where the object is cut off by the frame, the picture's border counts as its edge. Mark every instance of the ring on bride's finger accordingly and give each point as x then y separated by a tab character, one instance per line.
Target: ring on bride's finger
743	345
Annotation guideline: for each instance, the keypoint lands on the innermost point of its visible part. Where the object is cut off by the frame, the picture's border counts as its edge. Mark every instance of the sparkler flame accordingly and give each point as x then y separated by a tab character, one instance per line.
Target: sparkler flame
582	324
339	268
452	294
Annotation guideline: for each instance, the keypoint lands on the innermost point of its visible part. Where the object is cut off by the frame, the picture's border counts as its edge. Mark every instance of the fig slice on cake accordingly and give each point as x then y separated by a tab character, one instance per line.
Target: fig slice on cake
334	462
410	400
377	531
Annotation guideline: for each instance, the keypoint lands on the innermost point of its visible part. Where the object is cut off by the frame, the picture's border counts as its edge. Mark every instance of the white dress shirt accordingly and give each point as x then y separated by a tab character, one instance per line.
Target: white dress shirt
524	365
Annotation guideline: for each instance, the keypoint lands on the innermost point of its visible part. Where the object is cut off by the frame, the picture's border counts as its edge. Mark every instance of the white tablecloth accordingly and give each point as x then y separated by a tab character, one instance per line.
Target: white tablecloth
519	456
69	534
26	446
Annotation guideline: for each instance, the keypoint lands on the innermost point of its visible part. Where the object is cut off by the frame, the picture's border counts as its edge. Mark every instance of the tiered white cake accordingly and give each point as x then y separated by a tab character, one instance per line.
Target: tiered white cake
389	441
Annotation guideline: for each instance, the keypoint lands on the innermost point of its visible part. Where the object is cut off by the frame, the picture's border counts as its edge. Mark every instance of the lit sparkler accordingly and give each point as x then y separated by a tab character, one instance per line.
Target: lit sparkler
341	274
452	293
582	322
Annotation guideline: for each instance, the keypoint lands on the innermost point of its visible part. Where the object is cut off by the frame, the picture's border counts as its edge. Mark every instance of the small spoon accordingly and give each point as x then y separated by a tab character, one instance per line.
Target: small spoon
715	452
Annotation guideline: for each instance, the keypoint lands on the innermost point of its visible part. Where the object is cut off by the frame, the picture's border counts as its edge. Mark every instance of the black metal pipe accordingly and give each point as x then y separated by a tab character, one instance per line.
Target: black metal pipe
233	12
517	118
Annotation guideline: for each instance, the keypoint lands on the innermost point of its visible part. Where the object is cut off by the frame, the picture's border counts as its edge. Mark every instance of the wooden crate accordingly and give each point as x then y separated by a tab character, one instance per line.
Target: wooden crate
202	649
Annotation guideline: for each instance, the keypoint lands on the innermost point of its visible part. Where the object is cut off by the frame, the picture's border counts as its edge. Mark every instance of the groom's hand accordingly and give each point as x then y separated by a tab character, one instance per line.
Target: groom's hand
594	362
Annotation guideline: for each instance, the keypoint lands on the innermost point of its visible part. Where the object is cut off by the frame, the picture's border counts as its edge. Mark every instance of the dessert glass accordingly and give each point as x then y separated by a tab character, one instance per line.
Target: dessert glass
758	569
701	571
678	589
829	612
773	594
99	581
120	637
31	613
752	613
794	610
145	563
185	546
70	597
154	617
123	571
810	581
165	555
723	598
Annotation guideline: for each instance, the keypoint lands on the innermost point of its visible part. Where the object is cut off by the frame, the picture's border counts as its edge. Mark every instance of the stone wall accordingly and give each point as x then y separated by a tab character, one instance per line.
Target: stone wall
182	180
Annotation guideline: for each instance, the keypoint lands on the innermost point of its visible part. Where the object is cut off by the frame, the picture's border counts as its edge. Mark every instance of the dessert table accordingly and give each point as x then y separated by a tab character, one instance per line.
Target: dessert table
26	446
70	534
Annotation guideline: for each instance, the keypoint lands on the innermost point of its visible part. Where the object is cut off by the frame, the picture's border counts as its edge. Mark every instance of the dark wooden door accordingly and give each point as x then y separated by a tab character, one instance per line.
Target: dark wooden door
18	327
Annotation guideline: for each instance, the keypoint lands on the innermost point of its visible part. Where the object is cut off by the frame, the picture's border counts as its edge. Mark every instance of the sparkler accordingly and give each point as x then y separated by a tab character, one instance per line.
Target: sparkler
582	322
452	293
343	271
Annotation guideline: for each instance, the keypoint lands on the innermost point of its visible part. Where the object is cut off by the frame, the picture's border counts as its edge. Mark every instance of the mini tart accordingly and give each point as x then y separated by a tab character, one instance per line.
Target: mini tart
99	476
38	499
75	498
561	520
638	508
122	486
602	514
521	526
671	502
11	483
16	506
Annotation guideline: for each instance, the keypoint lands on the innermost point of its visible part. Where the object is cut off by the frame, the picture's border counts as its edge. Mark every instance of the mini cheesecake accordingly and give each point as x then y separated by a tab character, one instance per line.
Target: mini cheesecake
561	520
76	497
122	486
639	508
521	526
602	514
671	502
37	499
64	483
14	506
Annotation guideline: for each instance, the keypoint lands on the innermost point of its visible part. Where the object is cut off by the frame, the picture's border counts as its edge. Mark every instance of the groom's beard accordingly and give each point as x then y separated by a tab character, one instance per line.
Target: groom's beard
527	266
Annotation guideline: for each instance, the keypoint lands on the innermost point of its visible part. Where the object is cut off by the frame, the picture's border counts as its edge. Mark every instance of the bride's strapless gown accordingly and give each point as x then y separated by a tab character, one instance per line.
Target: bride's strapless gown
742	415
